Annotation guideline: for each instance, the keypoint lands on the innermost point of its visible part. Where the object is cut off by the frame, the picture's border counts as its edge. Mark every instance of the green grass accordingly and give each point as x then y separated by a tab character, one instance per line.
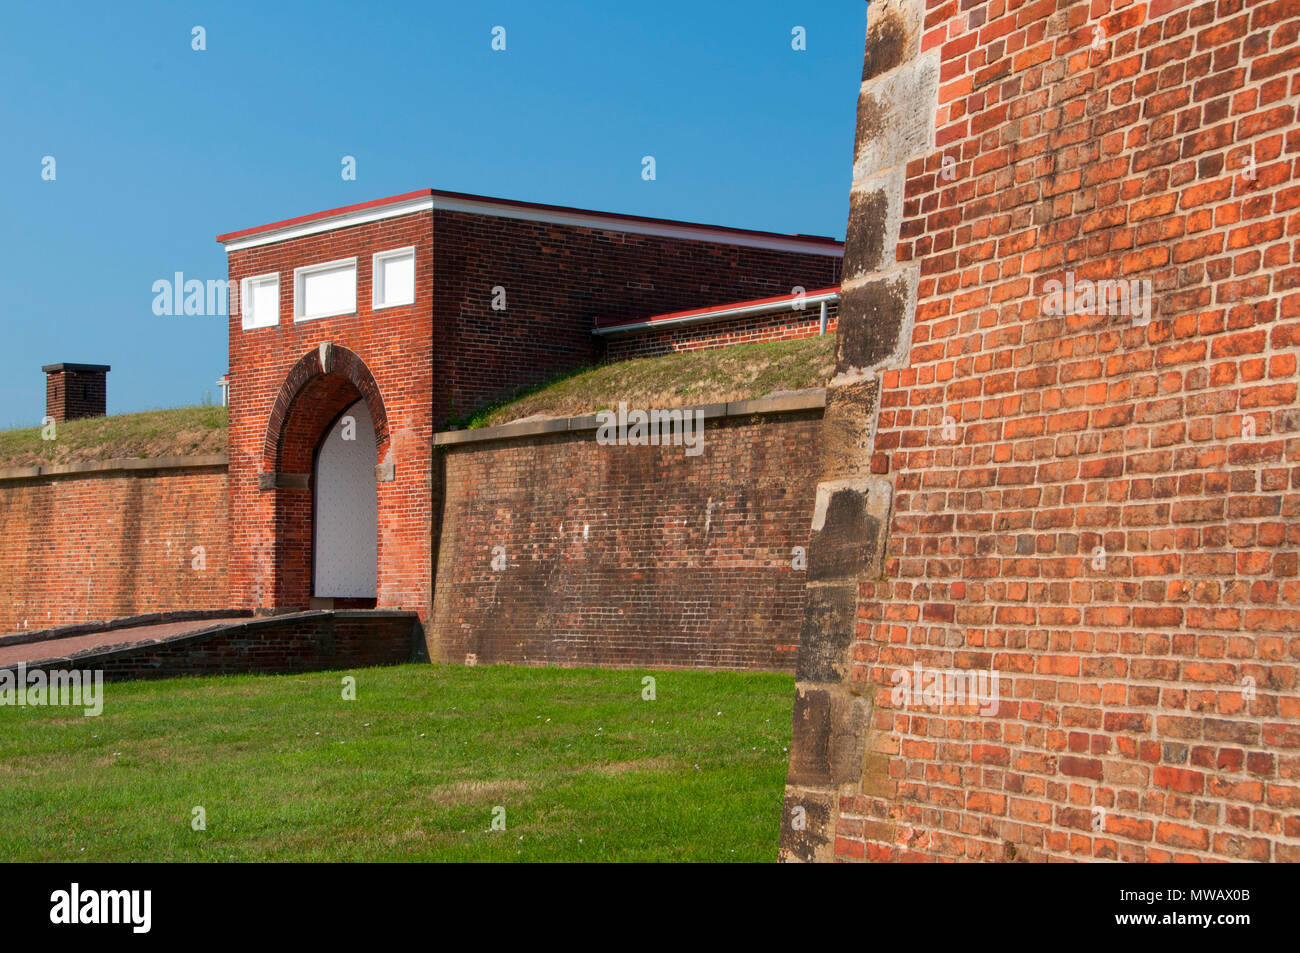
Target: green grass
740	372
179	432
411	770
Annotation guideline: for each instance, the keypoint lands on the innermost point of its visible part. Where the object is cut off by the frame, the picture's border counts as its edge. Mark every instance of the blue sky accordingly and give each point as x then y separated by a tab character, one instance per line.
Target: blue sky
158	147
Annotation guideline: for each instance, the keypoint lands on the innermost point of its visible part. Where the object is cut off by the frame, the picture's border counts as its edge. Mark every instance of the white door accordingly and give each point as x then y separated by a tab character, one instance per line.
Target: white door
347	509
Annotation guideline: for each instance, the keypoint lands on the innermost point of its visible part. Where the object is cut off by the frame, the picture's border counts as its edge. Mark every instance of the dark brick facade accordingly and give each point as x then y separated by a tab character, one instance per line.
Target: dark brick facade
280	645
776	326
563	281
73	391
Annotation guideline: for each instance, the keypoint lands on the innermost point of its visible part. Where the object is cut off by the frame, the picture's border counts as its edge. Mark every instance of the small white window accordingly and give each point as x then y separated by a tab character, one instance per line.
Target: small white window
323	290
260	301
394	278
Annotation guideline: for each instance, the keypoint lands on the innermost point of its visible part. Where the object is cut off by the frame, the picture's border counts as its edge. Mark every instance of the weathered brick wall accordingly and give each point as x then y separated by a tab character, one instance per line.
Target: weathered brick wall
1102	509
778	326
627	555
561	280
96	546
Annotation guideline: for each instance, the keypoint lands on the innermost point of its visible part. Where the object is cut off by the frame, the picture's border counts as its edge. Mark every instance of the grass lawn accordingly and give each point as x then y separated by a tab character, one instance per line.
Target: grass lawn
180	432
285	769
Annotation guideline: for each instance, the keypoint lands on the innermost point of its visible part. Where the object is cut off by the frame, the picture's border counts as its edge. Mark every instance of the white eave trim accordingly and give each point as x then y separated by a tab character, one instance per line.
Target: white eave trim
786	304
613	223
610	223
316	226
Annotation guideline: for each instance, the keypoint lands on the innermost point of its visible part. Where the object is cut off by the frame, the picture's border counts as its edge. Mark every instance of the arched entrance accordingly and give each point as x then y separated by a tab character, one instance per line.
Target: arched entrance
324	459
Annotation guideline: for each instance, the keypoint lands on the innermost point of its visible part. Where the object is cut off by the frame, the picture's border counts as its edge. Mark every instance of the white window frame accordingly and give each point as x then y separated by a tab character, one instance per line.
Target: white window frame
249	321
376	302
299	276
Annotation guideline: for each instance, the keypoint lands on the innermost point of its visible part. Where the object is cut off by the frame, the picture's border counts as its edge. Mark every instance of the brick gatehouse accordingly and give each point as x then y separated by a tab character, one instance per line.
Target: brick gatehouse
392	317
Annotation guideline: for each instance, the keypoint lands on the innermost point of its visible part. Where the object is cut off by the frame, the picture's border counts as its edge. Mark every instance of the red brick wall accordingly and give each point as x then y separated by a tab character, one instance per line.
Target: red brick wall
1148	705
778	326
98	546
561	280
627	556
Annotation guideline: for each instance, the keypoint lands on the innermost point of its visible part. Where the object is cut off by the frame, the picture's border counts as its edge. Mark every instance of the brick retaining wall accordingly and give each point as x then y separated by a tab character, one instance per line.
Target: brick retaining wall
628	555
81	542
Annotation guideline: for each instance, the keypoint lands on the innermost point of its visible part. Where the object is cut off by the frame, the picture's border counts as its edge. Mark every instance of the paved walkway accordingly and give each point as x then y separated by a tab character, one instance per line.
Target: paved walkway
120	638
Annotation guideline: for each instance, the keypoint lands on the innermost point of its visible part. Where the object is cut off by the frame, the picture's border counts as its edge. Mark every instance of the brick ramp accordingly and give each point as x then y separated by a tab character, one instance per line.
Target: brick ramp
222	645
69	646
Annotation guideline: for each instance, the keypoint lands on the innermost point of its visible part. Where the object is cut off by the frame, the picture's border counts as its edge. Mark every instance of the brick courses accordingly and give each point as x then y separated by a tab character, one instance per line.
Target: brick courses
73	391
387	352
561	280
625	555
301	642
90	546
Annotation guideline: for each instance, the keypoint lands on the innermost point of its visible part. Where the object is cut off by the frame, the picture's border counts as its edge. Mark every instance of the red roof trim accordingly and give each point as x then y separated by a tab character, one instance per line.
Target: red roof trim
511	203
696	312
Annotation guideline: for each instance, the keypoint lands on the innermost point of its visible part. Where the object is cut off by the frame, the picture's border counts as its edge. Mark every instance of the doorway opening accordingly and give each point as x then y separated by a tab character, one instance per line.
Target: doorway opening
345	511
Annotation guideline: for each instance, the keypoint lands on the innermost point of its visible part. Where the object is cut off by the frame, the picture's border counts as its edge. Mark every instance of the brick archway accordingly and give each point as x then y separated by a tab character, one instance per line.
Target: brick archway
320	386
320	377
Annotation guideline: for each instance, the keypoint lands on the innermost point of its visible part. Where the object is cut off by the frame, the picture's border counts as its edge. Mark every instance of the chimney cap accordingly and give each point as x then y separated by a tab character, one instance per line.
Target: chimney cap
66	366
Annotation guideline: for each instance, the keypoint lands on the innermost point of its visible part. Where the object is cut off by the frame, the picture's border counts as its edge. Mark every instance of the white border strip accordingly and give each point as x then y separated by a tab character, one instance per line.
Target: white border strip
319	225
501	210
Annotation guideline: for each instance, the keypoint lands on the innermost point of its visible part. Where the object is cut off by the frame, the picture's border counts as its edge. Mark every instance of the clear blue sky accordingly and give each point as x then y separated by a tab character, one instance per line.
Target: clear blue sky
159	148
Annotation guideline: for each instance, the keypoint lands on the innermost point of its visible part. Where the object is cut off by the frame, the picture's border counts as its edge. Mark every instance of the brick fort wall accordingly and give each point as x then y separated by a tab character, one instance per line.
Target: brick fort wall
92	546
557	550
1097	501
